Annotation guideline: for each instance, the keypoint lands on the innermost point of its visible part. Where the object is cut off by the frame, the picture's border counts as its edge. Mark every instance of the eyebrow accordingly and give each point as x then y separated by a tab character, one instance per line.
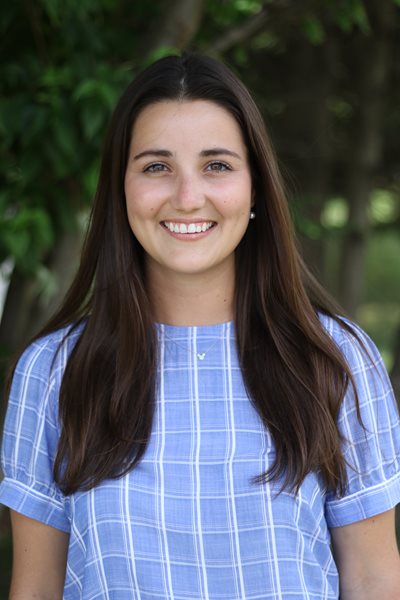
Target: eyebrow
151	152
168	153
218	152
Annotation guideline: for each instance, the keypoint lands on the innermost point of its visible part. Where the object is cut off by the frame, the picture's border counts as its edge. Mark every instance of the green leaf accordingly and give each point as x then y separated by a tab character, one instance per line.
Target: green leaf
241	55
87	89
90	178
160	52
65	135
248	6
93	119
26	235
313	30
349	13
361	18
97	90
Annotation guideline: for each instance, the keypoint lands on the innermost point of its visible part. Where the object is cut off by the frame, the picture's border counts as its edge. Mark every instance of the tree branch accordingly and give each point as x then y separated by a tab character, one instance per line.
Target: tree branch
239	34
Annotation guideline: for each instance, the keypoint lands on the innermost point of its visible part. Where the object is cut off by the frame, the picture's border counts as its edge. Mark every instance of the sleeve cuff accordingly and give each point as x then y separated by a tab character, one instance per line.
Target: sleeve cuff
33	504
364	503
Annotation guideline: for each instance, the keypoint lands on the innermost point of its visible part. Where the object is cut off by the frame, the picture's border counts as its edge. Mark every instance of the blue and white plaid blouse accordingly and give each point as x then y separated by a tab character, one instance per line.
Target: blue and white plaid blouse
188	523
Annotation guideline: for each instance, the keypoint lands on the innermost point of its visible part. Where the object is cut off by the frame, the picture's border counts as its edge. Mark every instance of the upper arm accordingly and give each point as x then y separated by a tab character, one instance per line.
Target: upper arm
367	558
39	510
370	446
39	559
31	436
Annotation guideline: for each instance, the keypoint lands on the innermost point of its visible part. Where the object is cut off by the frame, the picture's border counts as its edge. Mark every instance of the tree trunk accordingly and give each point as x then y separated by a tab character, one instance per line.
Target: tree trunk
180	24
308	121
370	70
25	310
62	264
15	320
395	370
318	170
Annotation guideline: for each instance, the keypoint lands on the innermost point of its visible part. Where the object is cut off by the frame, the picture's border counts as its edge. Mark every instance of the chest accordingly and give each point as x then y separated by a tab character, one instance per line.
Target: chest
206	448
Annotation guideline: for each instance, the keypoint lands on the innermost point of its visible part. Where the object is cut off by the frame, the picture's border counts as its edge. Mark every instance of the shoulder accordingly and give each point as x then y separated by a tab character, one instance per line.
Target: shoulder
357	347
341	329
47	356
369	426
32	429
36	380
370	389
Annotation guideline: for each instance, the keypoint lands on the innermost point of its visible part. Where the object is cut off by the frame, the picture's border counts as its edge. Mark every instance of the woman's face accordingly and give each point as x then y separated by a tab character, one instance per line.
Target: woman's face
188	187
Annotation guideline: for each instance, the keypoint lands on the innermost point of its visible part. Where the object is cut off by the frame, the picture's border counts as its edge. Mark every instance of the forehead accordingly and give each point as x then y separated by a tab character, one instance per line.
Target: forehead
173	121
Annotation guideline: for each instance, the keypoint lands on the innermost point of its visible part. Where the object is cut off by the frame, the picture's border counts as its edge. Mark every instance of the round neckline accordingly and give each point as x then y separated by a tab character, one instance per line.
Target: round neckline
186	328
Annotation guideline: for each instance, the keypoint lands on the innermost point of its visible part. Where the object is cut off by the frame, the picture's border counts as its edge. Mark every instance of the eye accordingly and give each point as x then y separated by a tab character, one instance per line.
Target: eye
218	166
155	168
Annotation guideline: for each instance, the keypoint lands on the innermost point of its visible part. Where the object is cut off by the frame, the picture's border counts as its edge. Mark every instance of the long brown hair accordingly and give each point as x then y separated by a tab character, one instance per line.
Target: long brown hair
293	372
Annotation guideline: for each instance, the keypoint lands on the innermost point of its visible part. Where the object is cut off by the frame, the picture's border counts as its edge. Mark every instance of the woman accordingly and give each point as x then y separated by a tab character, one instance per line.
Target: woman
195	422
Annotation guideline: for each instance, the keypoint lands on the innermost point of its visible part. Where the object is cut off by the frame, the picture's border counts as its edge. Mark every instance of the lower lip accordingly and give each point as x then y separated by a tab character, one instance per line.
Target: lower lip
188	237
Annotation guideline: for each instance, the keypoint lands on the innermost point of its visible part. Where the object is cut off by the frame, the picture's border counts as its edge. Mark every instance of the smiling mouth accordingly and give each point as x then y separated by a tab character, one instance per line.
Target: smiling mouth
188	228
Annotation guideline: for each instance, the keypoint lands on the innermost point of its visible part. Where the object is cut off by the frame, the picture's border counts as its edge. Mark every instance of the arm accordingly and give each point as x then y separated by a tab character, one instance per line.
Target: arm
367	559
39	560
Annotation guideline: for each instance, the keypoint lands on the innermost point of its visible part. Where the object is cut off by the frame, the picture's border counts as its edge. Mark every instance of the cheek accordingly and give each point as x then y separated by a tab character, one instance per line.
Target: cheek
138	204
237	196
237	204
143	200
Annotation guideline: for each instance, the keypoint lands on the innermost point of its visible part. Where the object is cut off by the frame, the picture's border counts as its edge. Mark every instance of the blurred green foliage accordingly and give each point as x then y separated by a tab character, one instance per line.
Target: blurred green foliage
66	64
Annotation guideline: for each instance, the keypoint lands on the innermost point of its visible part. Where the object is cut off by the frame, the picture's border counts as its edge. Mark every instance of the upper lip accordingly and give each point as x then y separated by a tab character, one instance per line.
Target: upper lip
188	221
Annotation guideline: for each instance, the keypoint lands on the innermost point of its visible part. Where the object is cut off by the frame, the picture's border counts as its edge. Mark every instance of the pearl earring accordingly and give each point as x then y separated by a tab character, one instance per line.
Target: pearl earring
252	215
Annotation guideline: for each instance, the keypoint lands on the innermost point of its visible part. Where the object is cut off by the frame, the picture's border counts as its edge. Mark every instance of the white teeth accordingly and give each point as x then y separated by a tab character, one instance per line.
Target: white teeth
190	228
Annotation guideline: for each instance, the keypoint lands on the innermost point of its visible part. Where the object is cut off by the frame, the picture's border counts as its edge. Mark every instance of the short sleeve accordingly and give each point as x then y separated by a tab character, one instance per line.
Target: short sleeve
371	448
30	439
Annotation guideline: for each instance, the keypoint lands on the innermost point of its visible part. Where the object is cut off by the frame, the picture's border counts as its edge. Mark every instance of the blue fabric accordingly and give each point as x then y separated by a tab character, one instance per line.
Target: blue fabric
188	523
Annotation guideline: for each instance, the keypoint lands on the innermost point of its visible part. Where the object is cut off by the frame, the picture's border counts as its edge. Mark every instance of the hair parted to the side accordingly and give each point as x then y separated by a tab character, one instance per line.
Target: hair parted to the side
293	372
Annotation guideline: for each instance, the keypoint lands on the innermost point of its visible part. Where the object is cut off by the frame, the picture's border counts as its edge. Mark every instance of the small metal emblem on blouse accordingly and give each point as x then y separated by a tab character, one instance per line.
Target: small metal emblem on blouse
200	355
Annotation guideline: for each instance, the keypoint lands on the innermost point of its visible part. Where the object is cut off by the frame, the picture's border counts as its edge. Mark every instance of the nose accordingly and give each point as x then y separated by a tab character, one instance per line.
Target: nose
188	194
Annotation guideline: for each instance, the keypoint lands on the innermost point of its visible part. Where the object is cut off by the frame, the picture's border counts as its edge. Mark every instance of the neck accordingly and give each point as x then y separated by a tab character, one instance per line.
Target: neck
195	299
